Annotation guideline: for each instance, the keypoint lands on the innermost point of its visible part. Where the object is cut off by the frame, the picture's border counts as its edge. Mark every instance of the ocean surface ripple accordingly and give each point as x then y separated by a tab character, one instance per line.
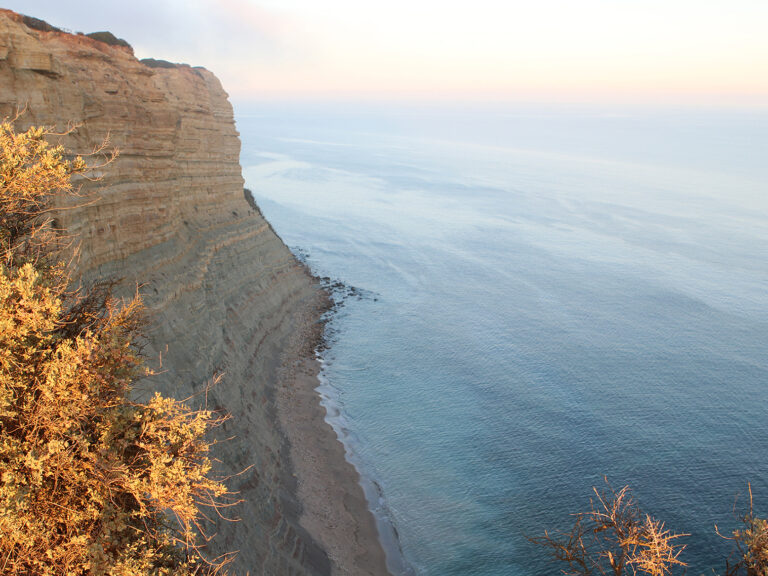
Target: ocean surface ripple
558	297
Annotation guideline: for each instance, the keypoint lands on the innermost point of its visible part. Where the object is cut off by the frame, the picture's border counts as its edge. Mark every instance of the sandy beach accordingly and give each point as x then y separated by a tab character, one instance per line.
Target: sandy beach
334	509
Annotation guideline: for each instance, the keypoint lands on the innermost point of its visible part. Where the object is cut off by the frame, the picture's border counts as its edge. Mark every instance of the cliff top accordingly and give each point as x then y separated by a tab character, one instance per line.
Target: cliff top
98	39
41	26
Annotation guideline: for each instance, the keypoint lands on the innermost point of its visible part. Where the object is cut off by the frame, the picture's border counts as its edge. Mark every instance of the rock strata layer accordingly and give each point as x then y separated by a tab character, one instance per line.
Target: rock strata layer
224	293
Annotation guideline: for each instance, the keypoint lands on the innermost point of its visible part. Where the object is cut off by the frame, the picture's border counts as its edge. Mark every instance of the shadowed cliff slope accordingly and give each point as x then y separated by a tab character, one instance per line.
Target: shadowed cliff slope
224	293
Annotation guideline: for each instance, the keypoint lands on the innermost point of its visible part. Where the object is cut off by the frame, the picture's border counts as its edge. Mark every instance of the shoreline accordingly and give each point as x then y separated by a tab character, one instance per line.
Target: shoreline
388	536
334	508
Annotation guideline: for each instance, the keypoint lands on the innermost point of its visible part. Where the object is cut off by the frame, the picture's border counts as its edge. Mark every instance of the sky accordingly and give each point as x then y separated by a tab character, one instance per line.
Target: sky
695	52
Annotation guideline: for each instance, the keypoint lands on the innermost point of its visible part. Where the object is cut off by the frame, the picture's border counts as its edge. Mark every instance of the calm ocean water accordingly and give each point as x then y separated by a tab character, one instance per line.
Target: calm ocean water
547	298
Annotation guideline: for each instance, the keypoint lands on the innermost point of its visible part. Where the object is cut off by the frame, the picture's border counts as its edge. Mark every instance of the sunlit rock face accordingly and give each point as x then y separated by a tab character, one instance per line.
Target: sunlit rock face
224	293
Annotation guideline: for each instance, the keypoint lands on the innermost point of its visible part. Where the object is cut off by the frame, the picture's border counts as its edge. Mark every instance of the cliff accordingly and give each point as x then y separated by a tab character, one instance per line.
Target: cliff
225	295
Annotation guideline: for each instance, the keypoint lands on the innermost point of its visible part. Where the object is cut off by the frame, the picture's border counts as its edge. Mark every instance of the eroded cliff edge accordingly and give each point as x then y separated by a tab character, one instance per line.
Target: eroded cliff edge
225	294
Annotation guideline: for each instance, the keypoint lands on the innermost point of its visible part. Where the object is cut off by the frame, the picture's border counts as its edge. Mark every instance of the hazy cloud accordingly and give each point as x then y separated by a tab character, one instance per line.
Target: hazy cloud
518	49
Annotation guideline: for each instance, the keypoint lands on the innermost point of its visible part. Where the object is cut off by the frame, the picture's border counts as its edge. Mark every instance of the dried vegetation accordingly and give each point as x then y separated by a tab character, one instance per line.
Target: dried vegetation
616	538
90	481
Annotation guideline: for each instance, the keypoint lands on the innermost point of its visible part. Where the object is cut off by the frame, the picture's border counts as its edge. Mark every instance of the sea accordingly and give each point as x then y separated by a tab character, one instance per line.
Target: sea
538	299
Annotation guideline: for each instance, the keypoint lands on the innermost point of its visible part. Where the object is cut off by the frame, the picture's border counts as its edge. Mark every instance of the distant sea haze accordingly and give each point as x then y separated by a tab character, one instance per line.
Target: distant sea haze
547	297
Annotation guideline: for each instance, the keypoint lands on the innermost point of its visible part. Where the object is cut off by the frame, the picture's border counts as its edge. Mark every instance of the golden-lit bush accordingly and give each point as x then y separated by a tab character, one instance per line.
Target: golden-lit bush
90	482
615	538
751	542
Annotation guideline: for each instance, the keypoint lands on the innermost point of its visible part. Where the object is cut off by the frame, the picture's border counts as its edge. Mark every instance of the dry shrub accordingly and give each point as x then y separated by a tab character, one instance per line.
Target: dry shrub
90	482
615	537
751	544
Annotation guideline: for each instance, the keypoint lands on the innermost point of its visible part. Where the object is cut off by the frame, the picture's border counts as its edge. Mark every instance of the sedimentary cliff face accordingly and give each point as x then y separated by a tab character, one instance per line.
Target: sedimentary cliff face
224	293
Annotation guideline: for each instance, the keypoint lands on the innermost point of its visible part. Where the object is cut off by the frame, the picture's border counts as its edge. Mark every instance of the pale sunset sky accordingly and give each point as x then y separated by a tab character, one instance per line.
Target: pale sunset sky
697	52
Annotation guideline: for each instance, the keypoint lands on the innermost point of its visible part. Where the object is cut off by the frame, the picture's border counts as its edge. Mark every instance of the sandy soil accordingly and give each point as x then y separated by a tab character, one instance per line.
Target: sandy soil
334	509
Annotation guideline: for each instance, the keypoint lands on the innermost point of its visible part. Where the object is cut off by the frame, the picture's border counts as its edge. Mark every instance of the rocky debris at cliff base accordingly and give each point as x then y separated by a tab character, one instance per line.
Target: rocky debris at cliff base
339	290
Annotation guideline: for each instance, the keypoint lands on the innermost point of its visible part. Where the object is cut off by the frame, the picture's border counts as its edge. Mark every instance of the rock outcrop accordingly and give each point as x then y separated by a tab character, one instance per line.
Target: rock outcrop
224	293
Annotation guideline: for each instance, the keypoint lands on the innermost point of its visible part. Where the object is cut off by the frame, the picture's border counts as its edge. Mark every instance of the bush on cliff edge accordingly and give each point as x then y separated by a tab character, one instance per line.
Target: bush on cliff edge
90	482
